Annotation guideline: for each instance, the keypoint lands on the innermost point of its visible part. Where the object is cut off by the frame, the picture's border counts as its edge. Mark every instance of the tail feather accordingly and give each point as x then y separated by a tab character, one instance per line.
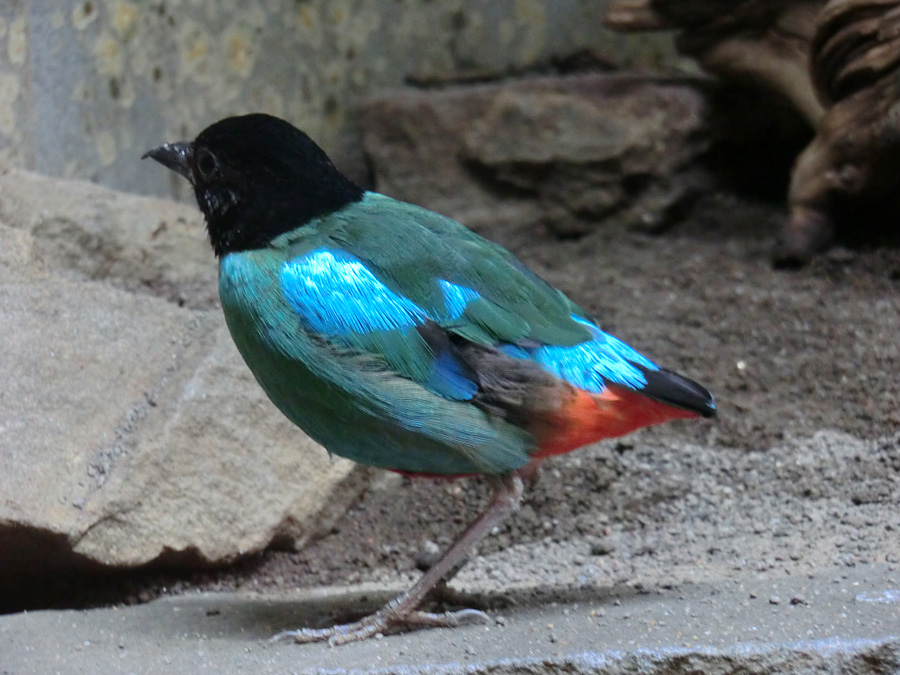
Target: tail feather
676	390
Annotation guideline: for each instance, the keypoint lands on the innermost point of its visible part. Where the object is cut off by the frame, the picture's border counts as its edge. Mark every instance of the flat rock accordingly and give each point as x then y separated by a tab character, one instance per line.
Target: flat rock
564	156
847	623
130	429
84	231
556	153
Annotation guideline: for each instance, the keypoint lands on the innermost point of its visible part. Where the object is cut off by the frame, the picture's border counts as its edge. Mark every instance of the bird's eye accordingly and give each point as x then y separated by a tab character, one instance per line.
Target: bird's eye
206	163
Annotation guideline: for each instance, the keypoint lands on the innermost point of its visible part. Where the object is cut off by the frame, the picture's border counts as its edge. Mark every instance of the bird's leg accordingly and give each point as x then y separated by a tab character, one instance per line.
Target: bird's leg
441	591
402	612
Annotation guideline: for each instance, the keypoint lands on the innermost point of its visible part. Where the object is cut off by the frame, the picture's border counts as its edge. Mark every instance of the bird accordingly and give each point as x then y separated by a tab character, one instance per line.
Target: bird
398	338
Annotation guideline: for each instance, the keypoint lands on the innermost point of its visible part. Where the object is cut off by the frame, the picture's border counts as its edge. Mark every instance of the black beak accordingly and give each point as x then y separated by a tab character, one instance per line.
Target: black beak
175	156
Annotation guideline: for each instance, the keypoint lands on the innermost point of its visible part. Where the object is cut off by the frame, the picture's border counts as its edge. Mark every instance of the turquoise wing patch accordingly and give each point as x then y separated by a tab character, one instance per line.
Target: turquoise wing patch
590	365
338	297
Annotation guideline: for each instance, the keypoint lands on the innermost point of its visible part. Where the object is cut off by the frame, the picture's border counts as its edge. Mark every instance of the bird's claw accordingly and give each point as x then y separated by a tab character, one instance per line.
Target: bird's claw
382	623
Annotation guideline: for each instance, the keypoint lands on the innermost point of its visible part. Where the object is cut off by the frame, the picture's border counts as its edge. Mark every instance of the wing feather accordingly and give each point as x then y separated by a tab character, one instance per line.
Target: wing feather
374	289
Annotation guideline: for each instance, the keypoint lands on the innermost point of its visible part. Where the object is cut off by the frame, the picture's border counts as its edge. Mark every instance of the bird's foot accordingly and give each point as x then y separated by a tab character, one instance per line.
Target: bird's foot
384	622
401	613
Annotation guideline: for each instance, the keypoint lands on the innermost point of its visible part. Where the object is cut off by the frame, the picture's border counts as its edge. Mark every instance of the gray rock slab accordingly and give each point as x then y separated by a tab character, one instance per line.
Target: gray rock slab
219	476
566	155
82	367
828	622
130	429
558	154
85	231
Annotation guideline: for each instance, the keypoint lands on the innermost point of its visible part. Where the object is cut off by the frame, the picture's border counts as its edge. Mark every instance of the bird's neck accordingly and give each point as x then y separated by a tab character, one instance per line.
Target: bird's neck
252	223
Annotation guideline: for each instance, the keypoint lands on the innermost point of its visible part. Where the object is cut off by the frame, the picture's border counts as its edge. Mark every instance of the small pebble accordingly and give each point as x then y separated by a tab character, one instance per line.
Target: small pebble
427	555
603	546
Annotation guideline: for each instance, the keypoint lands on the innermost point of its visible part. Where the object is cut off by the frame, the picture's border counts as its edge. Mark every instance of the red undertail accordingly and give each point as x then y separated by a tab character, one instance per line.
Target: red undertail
588	418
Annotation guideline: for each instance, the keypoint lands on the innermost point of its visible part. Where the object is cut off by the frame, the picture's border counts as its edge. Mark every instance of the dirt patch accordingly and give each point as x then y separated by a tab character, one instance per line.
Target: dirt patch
801	470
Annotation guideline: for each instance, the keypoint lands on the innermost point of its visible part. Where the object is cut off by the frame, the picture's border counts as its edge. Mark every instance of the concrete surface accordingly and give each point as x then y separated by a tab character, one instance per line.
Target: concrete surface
832	621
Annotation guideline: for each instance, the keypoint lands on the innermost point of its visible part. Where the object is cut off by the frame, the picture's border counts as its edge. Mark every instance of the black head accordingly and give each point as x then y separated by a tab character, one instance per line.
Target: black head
256	177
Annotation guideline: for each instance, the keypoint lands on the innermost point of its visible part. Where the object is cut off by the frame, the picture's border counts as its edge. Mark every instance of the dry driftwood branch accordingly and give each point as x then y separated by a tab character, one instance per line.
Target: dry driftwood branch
760	42
838	63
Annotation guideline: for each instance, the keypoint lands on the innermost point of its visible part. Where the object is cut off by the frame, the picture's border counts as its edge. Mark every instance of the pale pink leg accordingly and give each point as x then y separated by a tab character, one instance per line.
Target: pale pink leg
401	613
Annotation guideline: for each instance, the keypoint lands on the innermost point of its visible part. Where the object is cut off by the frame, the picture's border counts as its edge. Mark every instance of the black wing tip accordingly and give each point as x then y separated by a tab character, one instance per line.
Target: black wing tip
673	389
710	411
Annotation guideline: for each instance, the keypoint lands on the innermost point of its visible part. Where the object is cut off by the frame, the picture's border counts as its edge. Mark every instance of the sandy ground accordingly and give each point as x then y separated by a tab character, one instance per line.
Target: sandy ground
800	471
798	480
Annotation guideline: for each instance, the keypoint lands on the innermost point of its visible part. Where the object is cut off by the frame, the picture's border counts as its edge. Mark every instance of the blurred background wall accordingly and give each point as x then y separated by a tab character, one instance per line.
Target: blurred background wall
87	86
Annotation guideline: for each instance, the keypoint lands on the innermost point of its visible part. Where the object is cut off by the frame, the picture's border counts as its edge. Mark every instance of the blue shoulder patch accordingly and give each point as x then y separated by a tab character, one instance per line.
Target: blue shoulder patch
336	294
456	298
590	365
